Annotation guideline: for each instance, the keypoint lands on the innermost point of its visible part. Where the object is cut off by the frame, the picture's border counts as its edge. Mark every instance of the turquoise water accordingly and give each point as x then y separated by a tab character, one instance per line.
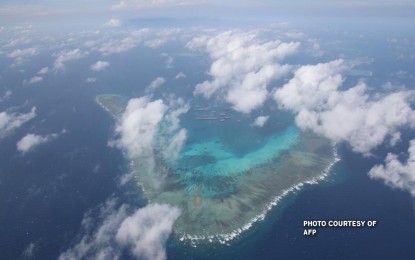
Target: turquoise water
211	170
229	173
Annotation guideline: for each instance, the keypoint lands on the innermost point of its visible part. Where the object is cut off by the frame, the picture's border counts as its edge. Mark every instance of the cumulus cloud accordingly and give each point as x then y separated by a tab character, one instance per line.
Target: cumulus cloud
180	75
311	85
175	145
155	84
344	115
125	4
91	80
119	46
177	107
12	121
141	122
147	230
6	95
98	240
260	121
23	53
114	23
395	173
43	70
314	48
143	232
174	137
169	61
125	44
145	130
100	65
29	251
21	40
138	126
155	43
125	178
242	67
33	80
31	141
65	56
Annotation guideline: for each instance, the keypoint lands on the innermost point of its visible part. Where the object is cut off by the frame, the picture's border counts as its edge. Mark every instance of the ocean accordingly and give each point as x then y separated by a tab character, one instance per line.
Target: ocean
348	194
44	195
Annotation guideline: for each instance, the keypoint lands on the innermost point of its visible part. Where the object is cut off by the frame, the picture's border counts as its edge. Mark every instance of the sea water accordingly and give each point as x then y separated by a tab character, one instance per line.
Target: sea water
229	174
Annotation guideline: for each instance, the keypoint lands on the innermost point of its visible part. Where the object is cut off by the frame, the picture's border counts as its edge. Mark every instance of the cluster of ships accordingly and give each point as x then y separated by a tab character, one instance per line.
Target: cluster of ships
207	114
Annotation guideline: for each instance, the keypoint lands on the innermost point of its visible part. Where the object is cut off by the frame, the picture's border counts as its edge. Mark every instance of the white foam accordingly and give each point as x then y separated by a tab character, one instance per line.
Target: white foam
227	237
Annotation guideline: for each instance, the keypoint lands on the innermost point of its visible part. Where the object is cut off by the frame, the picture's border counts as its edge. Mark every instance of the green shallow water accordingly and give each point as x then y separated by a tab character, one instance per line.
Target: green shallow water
222	193
208	169
221	205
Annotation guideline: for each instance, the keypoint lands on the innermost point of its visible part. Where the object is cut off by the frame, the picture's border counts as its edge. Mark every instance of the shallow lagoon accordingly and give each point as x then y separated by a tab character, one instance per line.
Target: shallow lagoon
229	174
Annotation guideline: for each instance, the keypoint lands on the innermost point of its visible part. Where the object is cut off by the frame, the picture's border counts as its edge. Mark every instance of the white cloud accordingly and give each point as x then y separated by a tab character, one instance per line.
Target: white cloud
98	242
91	80
29	251
314	48
100	65
91	43
155	43
260	121
155	84
126	4
23	53
175	137
175	145
12	121
114	23
43	70
294	34
177	107
125	178
20	40
35	79
351	115
31	141
30	9
119	46
180	75
139	125
395	173
146	127
242	67
65	56
147	230
143	233
6	95
169	61
124	44
311	86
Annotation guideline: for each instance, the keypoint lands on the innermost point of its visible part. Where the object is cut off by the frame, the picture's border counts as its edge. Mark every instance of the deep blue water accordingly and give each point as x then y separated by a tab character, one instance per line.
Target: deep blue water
46	205
348	194
44	194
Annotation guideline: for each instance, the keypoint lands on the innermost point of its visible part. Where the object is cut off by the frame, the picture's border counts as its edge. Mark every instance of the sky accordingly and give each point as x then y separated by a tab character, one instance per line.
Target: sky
91	10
